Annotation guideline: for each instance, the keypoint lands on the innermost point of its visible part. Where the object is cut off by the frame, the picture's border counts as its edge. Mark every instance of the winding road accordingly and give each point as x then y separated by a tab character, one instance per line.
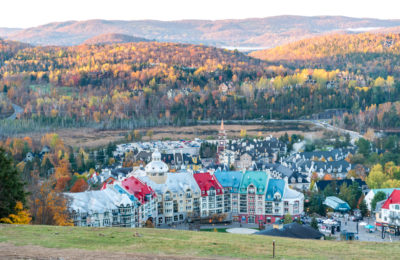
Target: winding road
17	111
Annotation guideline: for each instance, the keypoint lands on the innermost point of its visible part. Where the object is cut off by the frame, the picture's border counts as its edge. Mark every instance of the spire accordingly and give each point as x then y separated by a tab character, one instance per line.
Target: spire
222	125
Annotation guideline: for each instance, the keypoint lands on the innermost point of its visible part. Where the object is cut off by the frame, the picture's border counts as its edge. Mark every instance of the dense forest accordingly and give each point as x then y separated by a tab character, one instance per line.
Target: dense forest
149	83
367	53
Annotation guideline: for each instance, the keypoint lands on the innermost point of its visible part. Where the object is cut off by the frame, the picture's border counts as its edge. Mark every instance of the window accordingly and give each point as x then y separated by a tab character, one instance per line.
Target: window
251	189
268	208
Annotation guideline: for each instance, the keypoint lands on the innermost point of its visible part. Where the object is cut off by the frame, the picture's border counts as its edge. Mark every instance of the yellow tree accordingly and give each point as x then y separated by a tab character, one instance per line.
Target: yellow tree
376	177
22	216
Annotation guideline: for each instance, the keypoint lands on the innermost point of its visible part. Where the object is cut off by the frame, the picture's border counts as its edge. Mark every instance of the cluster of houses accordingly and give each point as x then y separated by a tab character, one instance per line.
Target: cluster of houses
248	181
154	193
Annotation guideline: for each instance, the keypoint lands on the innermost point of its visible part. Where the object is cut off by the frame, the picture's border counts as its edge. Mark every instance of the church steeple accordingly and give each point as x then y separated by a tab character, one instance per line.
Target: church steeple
221	141
222	133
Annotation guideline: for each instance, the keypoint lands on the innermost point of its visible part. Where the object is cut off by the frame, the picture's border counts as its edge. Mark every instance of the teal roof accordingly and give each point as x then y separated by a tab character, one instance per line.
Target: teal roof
336	203
275	185
387	191
229	179
257	178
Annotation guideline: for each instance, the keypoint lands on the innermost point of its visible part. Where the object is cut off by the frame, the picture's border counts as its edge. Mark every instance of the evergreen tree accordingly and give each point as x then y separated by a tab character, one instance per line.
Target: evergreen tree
46	167
363	208
314	223
110	148
328	191
11	186
100	157
72	162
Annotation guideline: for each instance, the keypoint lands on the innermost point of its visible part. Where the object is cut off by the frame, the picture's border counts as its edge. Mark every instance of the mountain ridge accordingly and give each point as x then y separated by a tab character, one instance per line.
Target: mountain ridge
112	38
265	32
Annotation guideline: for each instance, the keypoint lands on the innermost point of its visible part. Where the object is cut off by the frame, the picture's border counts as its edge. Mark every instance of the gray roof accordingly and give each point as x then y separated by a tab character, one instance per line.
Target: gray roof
176	182
98	201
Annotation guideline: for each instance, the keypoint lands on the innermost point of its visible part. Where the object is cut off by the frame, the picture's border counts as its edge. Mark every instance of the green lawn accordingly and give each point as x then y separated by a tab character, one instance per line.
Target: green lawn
202	244
221	230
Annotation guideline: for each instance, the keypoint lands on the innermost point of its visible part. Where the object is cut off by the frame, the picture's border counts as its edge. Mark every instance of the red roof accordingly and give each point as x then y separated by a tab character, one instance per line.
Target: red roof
205	181
137	188
394	198
109	181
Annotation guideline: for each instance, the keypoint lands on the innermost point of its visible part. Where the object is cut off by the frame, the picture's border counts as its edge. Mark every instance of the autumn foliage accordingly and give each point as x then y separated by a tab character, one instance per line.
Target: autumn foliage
79	186
21	215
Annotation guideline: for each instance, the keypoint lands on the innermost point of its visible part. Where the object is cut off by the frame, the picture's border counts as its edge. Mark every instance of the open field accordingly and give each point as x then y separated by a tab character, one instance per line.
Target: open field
44	242
90	138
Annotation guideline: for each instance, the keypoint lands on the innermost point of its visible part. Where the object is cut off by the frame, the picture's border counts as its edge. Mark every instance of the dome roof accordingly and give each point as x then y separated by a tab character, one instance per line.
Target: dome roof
156	166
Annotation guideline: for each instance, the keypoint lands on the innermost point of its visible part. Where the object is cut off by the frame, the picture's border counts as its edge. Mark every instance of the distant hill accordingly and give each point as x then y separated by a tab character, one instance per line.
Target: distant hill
4	32
395	29
9	48
111	38
374	53
255	32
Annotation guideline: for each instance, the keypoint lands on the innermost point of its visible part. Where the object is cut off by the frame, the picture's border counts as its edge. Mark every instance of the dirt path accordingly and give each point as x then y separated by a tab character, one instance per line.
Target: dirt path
10	251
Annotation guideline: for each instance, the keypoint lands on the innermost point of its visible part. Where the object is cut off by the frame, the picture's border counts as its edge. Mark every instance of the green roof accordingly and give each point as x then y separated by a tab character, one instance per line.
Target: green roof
256	178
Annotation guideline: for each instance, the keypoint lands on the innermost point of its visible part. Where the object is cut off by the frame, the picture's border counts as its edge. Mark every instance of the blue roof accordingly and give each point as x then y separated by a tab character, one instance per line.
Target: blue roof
387	191
274	185
229	179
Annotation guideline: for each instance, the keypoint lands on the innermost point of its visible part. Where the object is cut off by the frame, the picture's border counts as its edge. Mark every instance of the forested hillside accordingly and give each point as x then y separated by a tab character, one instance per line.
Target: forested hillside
9	48
375	56
110	38
149	83
368	53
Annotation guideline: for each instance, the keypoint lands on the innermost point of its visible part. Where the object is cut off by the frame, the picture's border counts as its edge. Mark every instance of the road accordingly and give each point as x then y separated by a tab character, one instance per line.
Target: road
17	111
320	123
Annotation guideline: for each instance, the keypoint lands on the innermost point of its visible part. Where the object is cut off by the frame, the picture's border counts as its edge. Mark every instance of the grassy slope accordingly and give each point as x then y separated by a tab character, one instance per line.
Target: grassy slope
203	244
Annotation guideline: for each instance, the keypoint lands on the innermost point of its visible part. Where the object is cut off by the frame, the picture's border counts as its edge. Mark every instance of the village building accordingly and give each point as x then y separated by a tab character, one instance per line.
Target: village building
178	197
103	208
390	212
371	194
230	181
212	200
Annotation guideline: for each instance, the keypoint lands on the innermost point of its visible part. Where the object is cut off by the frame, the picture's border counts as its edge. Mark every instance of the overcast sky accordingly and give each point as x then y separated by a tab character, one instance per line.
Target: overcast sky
28	13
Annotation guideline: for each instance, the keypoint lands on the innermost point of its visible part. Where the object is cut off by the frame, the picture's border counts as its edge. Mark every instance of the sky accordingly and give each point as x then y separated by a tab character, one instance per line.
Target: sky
30	13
